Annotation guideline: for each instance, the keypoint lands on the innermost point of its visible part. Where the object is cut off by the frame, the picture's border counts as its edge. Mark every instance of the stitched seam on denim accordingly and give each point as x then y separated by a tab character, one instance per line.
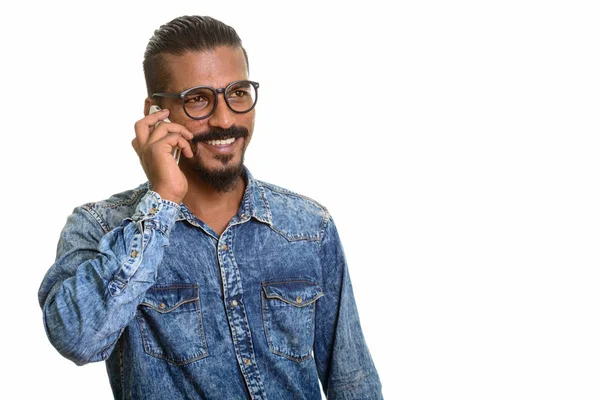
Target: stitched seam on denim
201	326
270	283
298	359
157	226
290	238
121	364
175	362
263	195
325	226
168	310
251	348
236	270
135	262
203	352
142	329
137	194
291	357
281	190
163	286
89	208
244	318
229	313
265	320
148	349
167	286
235	338
267	326
303	304
267	283
309	323
247	205
222	272
169	203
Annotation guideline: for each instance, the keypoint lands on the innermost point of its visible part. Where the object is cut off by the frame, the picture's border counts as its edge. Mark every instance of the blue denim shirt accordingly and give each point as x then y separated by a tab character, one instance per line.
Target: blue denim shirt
265	310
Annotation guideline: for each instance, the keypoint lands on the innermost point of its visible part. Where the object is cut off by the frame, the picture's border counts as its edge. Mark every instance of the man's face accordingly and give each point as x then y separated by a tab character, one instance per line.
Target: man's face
217	162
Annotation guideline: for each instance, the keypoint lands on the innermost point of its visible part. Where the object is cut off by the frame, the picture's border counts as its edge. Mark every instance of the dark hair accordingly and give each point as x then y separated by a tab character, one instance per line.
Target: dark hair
186	33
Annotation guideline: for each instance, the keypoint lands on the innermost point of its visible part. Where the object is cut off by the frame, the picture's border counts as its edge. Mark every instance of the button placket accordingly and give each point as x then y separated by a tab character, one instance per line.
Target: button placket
236	316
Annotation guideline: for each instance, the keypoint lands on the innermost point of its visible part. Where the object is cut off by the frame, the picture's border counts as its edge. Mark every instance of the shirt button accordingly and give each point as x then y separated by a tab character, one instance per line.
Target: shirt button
243	216
234	303
224	247
153	211
247	361
298	299
134	253
162	306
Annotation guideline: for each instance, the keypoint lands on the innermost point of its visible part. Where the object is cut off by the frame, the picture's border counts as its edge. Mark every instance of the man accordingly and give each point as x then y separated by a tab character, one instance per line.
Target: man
205	283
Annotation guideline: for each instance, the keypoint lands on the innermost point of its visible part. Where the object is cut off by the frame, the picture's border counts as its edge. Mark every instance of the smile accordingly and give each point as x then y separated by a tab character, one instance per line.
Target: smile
220	142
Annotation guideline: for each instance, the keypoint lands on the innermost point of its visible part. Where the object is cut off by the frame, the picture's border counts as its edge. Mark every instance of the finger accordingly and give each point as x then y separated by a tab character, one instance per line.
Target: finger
165	146
185	147
174	139
167	128
154	118
145	126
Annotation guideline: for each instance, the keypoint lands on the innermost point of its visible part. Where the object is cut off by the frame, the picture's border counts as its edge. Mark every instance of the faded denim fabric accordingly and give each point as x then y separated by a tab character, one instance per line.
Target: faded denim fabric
266	310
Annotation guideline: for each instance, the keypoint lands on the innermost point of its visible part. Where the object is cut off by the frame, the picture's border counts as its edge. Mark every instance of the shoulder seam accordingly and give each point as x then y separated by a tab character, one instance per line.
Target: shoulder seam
138	193
325	215
281	190
89	207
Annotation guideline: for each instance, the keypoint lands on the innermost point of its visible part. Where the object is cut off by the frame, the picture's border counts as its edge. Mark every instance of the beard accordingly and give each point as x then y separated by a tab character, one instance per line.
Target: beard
222	179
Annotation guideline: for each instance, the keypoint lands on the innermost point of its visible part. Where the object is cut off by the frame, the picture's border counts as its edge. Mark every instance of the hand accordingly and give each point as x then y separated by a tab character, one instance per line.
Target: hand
154	145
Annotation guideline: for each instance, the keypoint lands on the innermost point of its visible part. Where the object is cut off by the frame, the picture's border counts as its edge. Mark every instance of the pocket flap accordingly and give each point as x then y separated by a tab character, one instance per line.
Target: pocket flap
297	293
165	298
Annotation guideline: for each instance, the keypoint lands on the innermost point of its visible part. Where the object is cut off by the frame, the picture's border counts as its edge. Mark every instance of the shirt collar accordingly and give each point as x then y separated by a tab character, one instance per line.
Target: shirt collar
254	204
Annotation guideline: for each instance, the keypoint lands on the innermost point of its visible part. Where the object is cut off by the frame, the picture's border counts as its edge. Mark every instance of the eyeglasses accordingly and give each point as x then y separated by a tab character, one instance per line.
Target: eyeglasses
200	102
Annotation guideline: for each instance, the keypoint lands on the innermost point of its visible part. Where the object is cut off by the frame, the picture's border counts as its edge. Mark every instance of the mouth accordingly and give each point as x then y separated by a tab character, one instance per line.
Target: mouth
219	143
221	146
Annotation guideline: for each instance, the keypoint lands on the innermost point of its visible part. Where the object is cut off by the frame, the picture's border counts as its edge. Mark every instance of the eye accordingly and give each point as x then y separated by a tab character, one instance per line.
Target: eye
196	99
241	93
199	97
238	93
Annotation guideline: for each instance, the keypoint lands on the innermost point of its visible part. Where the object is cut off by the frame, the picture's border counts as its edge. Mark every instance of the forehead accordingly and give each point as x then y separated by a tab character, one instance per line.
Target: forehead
215	68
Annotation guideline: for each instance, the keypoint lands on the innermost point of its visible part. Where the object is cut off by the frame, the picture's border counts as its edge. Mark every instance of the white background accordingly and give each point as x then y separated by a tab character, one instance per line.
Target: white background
454	142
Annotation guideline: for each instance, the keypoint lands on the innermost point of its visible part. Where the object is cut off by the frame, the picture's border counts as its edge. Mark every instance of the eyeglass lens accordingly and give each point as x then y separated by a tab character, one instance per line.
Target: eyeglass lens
240	97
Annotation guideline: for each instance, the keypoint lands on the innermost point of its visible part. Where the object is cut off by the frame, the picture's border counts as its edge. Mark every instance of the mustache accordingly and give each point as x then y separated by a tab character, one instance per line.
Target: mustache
221	134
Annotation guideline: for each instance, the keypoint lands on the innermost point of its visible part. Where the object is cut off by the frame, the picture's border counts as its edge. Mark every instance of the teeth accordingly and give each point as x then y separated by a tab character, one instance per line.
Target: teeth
221	142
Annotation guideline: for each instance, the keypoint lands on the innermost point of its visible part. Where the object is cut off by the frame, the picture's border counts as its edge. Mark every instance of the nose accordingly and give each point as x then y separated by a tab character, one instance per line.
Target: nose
223	117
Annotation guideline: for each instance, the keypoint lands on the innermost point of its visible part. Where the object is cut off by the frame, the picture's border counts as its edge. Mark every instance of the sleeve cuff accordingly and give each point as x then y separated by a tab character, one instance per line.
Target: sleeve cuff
155	212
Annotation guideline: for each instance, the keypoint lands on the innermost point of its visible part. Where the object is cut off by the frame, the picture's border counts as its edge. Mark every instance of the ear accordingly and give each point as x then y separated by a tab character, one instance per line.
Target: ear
147	103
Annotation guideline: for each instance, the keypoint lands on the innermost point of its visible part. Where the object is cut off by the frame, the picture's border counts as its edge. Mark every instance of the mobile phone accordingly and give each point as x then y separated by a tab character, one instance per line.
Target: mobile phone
176	150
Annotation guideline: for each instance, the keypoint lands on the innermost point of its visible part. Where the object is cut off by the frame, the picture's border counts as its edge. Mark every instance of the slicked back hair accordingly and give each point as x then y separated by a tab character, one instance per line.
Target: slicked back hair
186	33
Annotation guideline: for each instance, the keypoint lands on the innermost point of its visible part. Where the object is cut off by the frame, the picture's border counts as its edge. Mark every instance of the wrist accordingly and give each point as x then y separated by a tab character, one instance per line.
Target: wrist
170	195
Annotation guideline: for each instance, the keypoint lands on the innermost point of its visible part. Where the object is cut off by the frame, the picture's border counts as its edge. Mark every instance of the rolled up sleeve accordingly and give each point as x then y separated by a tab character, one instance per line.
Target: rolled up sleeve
91	292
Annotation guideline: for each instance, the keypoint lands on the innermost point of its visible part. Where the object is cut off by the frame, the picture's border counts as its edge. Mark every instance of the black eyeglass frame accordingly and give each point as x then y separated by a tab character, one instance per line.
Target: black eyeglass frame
216	92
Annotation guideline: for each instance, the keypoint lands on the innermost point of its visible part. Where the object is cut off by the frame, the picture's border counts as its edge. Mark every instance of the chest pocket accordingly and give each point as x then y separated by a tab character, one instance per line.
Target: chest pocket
170	322
288	310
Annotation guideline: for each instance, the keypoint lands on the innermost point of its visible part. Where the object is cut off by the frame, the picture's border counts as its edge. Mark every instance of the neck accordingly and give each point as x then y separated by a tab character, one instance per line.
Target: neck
211	206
